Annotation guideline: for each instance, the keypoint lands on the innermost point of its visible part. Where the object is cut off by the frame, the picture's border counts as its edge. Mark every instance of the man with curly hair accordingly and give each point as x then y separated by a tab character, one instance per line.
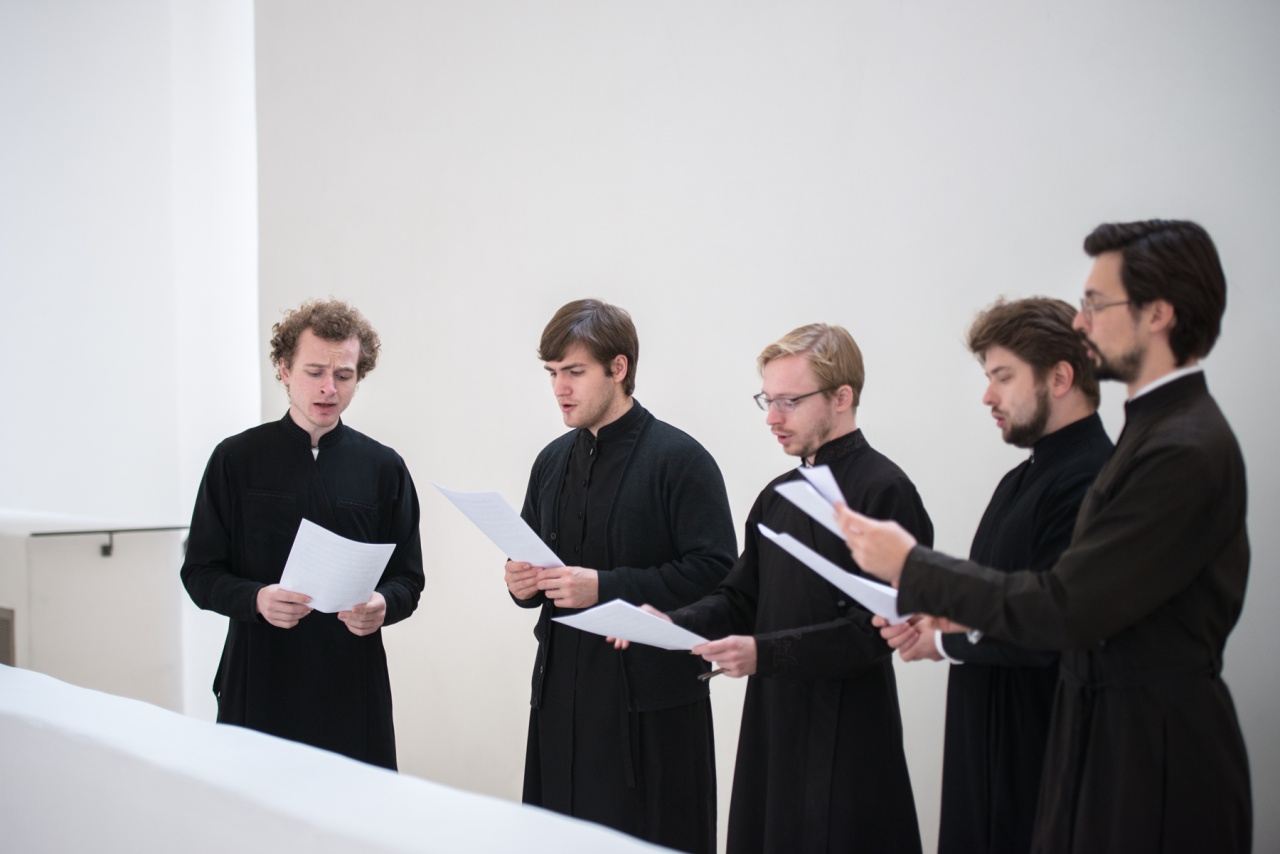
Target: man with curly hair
317	678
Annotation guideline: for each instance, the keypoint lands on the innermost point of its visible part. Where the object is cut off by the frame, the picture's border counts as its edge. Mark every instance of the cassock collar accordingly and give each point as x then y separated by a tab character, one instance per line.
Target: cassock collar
296	433
1166	397
839	447
624	425
1063	438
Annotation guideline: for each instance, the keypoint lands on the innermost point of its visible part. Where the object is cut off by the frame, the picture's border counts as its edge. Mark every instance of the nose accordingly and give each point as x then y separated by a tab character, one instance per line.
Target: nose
559	386
328	386
989	397
1080	321
773	416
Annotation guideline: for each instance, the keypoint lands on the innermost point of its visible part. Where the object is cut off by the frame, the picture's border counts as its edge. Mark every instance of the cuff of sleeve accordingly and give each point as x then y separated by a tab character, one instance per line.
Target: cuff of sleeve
939	640
607	587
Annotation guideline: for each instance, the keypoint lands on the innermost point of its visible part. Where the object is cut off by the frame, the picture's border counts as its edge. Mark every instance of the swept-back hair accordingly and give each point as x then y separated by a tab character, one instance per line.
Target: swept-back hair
1038	331
1172	260
605	330
831	351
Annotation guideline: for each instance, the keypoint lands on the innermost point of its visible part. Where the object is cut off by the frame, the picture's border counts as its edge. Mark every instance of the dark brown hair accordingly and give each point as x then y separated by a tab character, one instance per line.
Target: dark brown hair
1172	260
1038	331
605	330
332	320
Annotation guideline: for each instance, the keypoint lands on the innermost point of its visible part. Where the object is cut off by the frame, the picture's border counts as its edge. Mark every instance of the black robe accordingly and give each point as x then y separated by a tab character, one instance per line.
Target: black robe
1145	752
1000	698
625	738
820	762
316	683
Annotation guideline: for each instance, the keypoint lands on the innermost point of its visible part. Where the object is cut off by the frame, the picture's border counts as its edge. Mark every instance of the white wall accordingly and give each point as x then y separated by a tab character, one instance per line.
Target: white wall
727	171
128	261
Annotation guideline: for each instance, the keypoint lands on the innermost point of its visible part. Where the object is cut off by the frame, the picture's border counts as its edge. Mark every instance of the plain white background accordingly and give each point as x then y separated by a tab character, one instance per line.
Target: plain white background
726	171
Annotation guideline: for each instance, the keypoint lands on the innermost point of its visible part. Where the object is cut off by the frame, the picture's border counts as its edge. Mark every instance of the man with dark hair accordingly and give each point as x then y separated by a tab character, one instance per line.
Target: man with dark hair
317	678
1145	752
821	765
1044	396
639	512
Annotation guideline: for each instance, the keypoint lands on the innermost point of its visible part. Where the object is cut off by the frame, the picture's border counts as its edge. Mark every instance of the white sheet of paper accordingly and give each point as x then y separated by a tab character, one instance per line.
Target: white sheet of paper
335	572
618	619
803	495
821	478
495	518
877	598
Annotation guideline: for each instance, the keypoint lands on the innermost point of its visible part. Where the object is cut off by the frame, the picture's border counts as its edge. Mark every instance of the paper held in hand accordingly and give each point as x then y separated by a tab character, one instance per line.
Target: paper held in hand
495	518
817	495
618	619
877	598
335	572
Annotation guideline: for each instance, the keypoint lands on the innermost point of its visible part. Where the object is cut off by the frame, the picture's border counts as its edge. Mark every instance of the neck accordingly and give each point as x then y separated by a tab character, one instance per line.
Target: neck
313	431
1158	363
1068	411
843	427
620	408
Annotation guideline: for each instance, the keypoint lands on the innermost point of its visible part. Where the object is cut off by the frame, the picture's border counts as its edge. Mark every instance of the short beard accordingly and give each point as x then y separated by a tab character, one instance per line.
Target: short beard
1125	368
1029	432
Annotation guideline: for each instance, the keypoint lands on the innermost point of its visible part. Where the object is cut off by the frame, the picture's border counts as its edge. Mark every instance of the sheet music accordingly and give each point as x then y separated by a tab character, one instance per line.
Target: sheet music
803	495
619	619
875	597
335	572
821	479
495	518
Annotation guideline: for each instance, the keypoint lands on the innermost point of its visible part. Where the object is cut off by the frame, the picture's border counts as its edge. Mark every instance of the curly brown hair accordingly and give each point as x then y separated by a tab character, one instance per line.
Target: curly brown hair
332	320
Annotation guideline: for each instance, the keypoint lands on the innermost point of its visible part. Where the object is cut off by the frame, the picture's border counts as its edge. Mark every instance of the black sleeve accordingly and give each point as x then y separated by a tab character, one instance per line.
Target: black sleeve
1053	528
402	581
701	528
208	571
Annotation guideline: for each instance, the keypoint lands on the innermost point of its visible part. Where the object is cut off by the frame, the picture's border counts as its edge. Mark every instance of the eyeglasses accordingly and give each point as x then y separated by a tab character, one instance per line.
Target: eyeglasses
783	404
1088	308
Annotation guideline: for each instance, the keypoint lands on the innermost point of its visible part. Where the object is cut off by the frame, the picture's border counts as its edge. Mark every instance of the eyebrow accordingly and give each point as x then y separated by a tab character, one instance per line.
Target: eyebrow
550	369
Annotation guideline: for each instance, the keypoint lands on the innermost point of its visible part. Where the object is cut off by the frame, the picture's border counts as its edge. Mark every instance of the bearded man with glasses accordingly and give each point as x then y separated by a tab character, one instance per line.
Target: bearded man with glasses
820	762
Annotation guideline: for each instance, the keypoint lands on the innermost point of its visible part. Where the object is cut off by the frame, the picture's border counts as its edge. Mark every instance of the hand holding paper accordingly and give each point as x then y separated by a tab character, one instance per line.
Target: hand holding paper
335	572
624	621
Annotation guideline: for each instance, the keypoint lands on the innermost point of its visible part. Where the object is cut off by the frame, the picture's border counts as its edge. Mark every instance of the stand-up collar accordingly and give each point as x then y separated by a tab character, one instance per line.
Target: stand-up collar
1167	396
1065	437
839	447
296	433
628	422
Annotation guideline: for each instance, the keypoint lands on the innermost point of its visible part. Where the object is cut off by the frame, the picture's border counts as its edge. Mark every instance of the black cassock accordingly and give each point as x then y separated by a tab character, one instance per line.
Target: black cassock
999	700
316	683
1145	753
820	763
625	739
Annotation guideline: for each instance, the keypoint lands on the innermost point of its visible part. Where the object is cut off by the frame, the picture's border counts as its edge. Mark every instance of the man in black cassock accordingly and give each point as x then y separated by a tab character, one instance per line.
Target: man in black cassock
317	678
1043	395
1145	752
639	512
820	763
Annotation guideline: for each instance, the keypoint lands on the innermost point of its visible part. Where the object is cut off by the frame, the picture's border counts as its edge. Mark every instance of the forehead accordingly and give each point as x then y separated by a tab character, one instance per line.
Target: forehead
1104	278
788	375
578	354
314	350
999	358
